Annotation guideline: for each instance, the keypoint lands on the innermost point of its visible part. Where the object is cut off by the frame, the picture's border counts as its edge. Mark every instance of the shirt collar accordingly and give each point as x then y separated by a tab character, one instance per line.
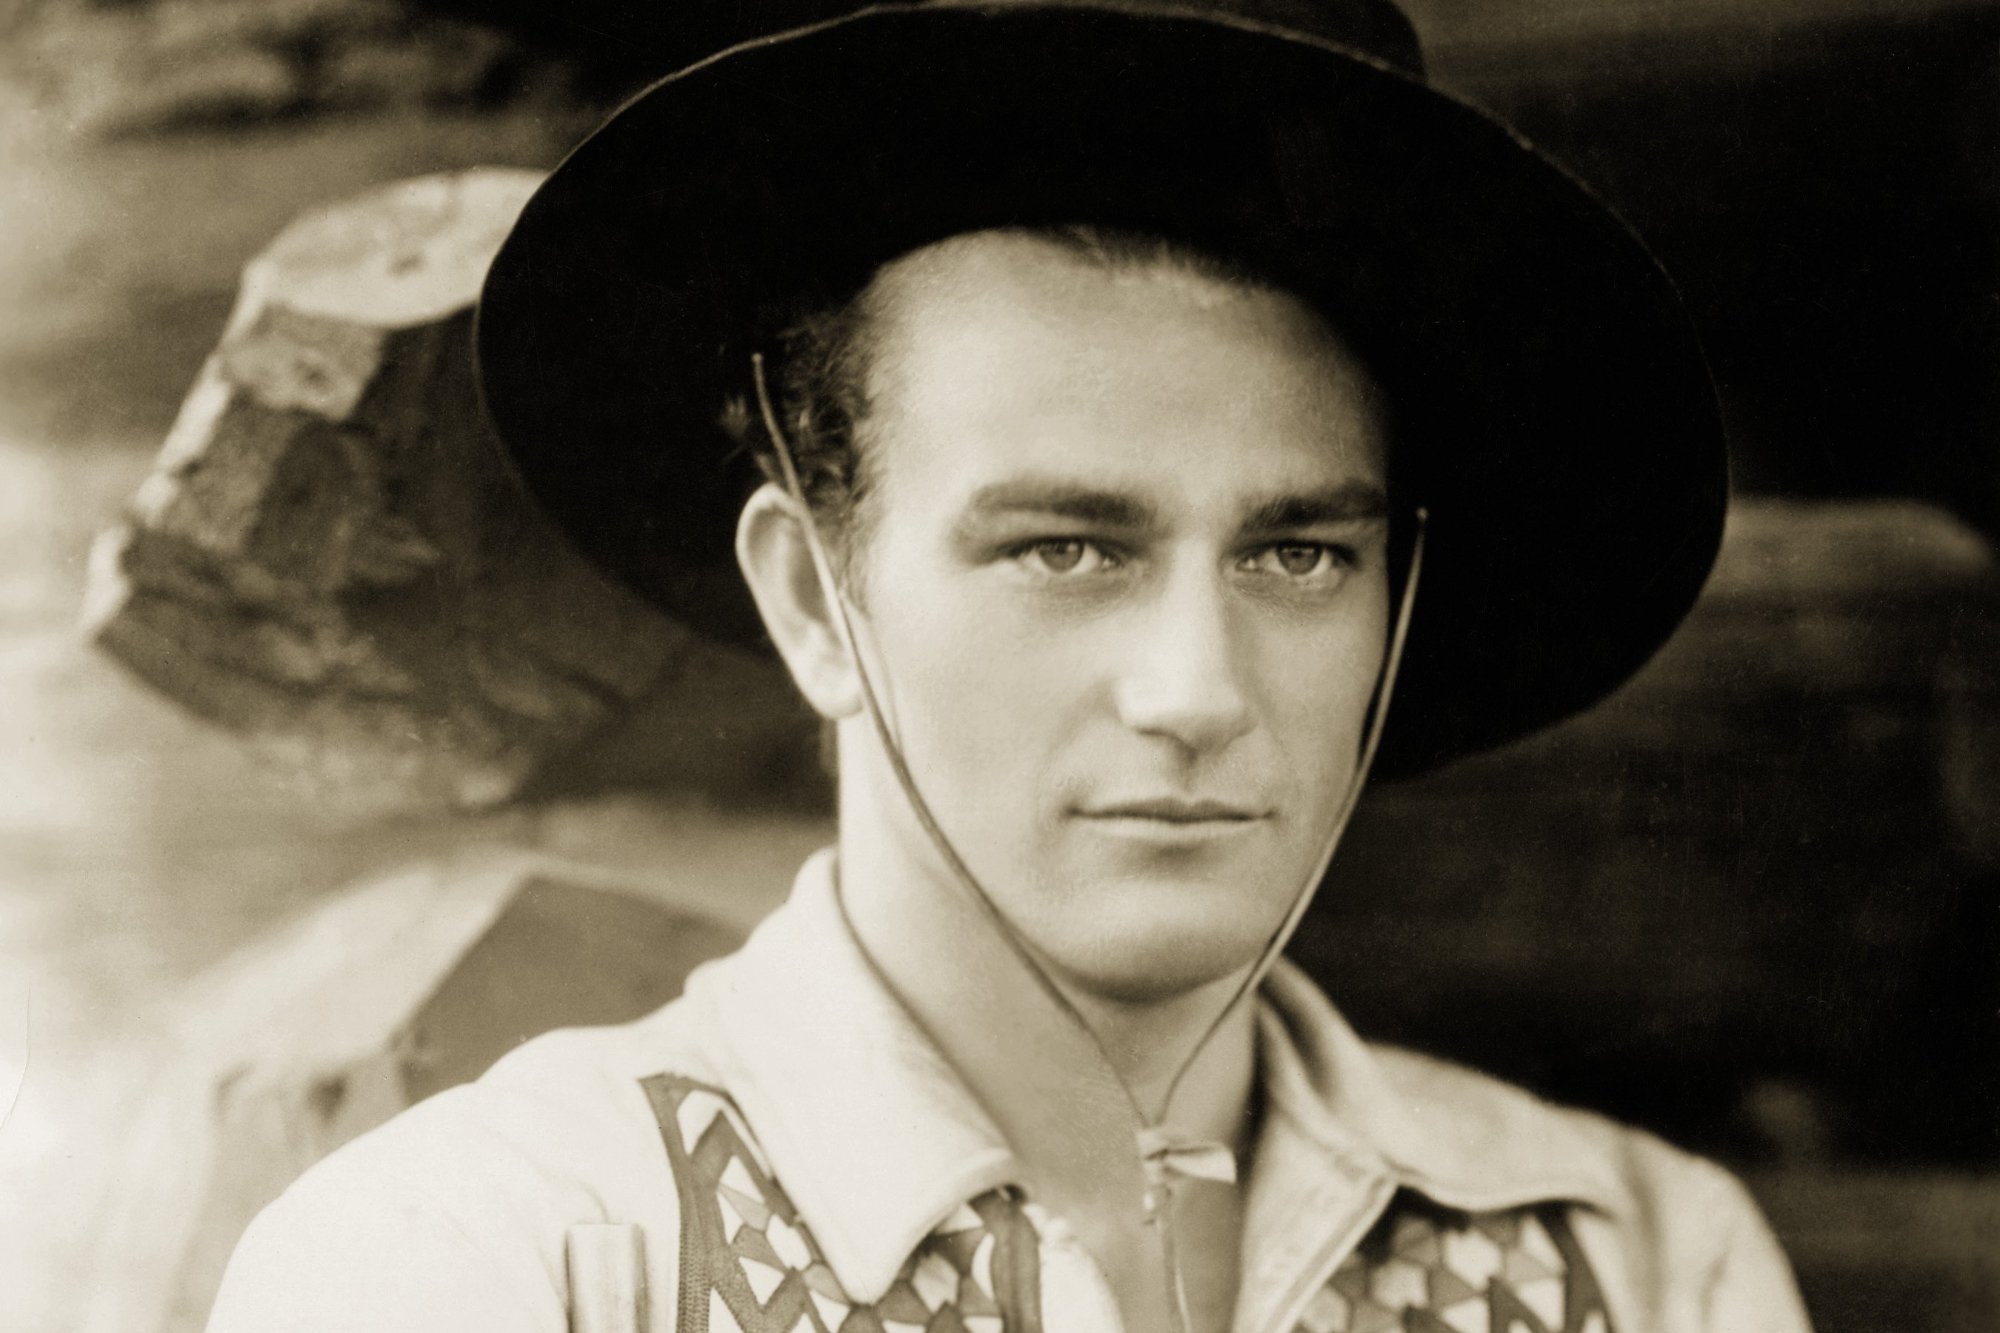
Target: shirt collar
1345	1126
877	1141
1460	1138
871	1133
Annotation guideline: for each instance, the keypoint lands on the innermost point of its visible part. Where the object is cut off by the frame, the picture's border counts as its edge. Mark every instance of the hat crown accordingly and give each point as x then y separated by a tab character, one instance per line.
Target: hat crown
1373	28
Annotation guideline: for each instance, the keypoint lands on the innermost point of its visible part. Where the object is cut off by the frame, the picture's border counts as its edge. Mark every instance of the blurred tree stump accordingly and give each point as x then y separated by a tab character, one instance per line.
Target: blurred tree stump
331	557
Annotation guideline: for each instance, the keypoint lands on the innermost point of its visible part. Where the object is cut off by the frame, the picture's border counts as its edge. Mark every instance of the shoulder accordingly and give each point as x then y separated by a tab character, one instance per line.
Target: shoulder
454	1213
1677	1235
1487	1128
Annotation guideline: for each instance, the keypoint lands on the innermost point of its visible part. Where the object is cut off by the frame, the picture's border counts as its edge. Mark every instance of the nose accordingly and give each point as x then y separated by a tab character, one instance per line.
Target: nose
1183	680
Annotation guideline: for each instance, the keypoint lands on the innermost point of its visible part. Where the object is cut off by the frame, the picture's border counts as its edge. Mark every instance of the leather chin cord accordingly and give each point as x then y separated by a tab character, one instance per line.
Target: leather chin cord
1166	1156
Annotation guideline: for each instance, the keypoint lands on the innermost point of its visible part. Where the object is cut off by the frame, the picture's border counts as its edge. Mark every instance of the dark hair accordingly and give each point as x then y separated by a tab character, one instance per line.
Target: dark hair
819	371
818	378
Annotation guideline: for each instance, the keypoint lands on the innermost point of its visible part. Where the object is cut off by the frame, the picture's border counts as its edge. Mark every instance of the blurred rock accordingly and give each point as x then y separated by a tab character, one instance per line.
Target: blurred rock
231	82
178	64
329	555
454	64
380	996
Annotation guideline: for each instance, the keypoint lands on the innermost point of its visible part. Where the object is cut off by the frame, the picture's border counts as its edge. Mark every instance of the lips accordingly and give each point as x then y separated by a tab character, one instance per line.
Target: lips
1175	810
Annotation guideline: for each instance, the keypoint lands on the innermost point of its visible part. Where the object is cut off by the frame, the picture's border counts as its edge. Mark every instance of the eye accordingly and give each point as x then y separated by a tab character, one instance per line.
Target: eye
1299	561
1063	556
1304	561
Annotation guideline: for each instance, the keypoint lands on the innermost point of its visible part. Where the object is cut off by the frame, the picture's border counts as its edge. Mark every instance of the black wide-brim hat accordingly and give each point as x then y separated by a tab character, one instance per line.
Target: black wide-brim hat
1552	408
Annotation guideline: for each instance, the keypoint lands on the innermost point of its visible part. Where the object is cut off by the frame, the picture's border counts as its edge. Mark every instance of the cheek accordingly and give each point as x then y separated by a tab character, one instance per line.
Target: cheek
1316	686
975	693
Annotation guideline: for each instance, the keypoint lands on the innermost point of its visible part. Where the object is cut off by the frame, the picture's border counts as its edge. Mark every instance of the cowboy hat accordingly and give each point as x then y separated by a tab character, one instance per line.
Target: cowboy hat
1552	408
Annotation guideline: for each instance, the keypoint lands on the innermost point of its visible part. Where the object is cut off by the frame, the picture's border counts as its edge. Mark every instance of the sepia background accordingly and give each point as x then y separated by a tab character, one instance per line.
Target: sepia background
326	774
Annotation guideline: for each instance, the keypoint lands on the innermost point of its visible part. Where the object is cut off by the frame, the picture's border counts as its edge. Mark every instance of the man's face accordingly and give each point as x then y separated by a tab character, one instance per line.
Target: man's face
1124	582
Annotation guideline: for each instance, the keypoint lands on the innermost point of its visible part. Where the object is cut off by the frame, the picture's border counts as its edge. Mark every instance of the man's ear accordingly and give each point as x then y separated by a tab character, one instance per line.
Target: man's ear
771	547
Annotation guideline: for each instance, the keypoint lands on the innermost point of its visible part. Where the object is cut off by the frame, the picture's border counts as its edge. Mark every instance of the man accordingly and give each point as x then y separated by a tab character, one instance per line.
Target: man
1163	420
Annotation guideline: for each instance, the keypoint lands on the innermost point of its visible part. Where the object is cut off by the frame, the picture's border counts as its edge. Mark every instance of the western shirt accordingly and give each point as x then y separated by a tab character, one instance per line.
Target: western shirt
867	1158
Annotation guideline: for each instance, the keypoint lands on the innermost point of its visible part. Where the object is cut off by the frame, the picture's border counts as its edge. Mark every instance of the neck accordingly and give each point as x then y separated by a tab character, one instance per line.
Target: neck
1063	1097
1148	1042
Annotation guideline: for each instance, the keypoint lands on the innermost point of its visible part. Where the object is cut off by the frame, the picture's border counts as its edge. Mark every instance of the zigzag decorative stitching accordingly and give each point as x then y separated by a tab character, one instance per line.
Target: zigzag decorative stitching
749	1265
1427	1269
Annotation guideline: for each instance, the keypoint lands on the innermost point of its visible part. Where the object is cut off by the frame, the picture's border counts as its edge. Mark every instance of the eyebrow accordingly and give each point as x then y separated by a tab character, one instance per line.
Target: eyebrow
1059	499
1346	502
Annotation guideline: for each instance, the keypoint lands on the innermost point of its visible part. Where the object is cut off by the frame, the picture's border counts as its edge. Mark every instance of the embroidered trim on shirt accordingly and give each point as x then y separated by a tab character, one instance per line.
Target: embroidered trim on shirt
1428	1269
750	1265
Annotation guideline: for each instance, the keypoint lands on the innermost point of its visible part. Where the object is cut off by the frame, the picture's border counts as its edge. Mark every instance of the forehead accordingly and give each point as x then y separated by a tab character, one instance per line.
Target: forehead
1006	352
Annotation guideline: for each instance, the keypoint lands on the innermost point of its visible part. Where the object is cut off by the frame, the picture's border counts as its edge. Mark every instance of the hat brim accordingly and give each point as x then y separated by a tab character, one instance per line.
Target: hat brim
1553	409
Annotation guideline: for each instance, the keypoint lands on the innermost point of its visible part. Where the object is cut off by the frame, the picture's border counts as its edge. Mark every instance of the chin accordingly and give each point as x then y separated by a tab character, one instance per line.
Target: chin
1158	974
1167	944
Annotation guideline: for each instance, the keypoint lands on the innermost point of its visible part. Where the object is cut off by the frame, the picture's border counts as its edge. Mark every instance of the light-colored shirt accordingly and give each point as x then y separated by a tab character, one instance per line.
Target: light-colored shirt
1368	1162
